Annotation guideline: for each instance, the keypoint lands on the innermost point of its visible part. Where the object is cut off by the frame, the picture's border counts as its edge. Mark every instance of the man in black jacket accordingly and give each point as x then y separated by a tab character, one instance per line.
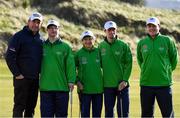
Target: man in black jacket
23	58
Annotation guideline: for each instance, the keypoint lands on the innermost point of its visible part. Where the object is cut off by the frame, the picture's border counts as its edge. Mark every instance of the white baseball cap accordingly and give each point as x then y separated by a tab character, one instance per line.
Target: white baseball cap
53	22
153	20
110	24
87	33
36	15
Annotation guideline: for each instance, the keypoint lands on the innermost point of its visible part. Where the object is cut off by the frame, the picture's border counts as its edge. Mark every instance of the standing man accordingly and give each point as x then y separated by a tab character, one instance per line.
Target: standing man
157	57
23	58
58	74
116	64
89	80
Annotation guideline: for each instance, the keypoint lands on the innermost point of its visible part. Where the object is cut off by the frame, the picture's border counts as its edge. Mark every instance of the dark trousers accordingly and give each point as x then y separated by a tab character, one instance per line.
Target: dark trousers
80	104
25	97
110	95
96	100
54	104
163	95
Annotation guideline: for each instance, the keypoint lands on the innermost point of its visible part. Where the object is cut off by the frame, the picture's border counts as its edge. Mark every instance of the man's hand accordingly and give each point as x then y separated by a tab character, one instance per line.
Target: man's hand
122	85
19	77
71	86
79	85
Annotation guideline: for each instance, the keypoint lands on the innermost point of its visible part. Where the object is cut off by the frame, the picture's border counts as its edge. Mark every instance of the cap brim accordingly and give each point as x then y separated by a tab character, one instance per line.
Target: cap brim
93	37
152	23
52	25
36	19
110	27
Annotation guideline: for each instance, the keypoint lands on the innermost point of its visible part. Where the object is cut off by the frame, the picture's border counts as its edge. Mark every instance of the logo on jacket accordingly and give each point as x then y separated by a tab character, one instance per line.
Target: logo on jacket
58	53
84	60
103	51
97	60
161	48
117	53
145	49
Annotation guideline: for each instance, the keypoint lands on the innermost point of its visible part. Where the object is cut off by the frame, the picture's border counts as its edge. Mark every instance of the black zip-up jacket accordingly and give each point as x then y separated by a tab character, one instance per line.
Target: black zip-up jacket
24	54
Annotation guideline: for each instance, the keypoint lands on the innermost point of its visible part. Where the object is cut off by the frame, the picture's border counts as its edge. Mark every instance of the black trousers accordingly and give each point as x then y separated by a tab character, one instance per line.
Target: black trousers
95	100
25	97
163	95
54	104
110	97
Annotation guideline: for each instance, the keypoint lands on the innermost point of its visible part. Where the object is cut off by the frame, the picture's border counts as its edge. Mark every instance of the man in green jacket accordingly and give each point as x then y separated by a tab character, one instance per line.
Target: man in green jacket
157	57
57	74
116	64
89	80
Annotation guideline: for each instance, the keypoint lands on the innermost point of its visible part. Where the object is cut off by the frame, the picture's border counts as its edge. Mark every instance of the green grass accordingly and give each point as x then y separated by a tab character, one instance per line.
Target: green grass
6	94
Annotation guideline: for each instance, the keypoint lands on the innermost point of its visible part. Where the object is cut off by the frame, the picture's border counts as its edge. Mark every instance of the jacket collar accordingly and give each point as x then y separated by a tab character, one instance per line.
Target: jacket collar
54	43
105	39
158	34
26	29
92	49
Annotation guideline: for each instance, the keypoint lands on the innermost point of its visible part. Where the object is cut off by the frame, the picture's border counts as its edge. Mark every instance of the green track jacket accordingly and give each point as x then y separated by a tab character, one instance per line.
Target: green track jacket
157	59
116	62
89	70
58	67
